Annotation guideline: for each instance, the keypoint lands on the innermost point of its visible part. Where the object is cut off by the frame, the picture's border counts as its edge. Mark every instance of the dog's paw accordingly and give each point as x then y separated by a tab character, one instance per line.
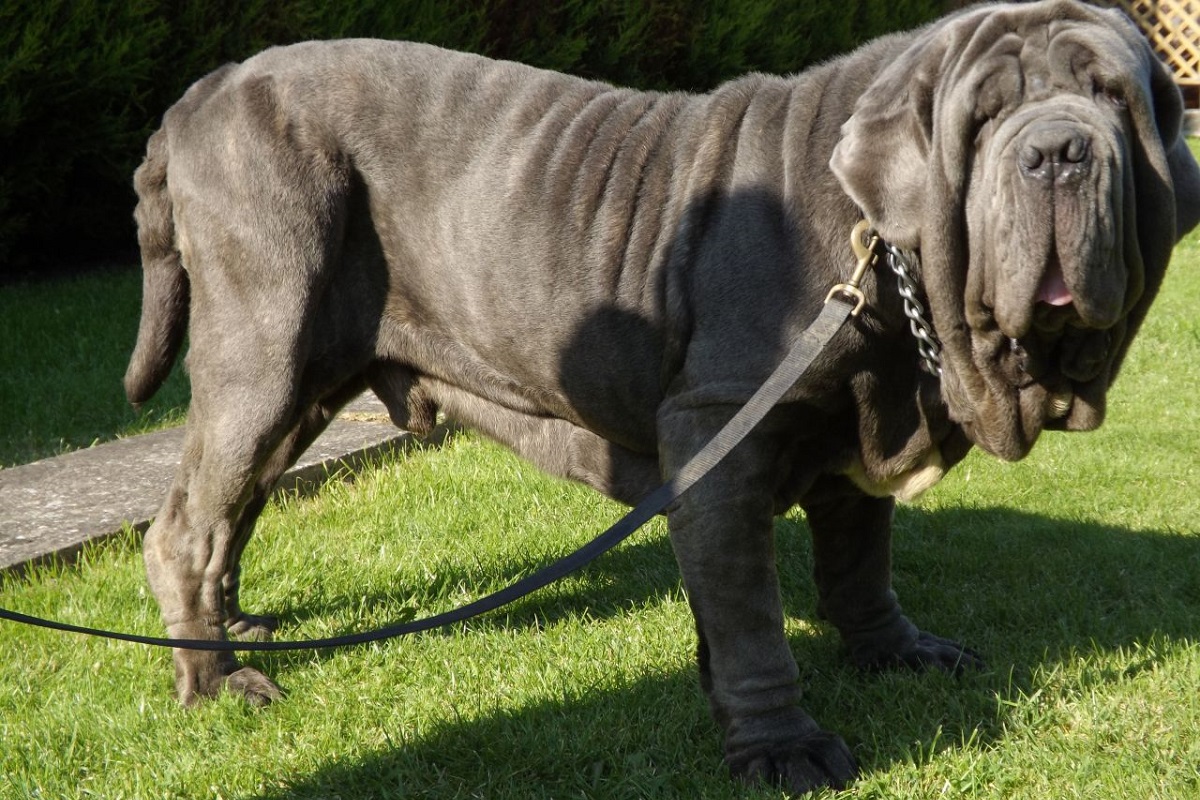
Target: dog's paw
253	686
929	652
252	627
817	761
202	675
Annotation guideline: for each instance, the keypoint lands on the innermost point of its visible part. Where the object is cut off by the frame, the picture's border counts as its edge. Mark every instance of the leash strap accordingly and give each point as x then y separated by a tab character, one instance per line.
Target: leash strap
839	306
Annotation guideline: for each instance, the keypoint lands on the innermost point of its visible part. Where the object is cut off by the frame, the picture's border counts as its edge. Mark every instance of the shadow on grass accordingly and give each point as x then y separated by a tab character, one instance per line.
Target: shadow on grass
1029	591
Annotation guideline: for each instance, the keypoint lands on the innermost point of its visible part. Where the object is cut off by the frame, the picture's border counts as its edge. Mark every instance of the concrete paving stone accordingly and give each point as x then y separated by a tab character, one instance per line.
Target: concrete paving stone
49	509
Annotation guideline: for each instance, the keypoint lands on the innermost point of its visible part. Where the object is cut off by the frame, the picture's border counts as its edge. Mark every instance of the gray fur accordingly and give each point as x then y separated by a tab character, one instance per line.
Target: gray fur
599	277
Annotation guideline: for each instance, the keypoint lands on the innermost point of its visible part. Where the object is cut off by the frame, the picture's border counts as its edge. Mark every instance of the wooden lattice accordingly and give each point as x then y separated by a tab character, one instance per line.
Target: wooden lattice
1173	28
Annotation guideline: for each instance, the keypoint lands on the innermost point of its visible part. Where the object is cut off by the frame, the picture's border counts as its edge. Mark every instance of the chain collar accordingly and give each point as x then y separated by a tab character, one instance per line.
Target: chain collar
867	244
928	346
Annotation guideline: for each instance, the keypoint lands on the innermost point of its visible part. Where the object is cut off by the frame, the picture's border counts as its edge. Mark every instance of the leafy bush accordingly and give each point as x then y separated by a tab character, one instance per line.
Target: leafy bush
71	78
83	82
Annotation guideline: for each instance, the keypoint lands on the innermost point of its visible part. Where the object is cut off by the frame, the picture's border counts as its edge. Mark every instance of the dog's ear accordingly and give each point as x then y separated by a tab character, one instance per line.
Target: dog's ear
1165	178
882	158
908	138
1185	173
1156	110
1168	116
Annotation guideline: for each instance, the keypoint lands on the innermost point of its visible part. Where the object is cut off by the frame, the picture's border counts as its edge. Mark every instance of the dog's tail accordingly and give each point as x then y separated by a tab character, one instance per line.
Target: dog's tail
165	288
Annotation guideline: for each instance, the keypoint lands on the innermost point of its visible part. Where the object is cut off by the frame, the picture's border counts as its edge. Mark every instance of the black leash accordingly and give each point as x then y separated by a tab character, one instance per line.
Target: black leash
844	300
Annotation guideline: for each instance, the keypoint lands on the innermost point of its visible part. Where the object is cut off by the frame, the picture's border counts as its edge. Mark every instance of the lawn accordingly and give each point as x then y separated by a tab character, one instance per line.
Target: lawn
1076	571
63	349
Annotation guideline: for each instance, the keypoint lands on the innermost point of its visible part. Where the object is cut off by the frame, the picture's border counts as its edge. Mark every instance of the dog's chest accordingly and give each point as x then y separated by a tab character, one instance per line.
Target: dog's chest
905	485
906	441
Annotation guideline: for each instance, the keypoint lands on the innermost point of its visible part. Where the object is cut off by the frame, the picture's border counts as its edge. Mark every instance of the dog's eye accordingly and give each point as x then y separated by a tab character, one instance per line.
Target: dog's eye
1111	96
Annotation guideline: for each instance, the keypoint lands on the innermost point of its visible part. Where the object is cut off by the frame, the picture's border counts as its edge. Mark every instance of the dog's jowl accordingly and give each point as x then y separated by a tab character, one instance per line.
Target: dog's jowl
599	277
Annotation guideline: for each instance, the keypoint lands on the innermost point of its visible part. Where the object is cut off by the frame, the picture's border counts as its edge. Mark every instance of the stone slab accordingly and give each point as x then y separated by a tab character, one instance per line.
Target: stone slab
49	509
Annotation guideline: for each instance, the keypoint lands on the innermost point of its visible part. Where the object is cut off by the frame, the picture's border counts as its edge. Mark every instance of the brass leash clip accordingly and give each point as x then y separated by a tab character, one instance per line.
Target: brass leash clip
865	242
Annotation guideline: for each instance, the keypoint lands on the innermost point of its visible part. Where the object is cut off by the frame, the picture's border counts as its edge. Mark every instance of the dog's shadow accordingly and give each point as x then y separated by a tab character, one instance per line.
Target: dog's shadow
1029	591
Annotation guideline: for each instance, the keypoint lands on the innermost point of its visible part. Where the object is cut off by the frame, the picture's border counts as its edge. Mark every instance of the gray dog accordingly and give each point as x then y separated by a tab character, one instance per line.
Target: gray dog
600	277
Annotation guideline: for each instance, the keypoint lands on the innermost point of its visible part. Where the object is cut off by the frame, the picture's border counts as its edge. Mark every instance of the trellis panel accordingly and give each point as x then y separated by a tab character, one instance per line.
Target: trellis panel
1173	28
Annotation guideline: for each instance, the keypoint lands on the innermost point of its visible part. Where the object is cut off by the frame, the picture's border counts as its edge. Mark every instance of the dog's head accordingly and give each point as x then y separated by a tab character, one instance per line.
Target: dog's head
1032	154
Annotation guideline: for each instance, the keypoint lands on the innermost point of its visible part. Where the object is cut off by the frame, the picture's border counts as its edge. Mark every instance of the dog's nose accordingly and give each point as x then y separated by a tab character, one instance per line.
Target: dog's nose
1054	151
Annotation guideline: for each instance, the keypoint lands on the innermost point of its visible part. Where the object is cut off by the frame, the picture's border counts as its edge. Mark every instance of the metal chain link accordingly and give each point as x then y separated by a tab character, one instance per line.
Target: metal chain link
927	341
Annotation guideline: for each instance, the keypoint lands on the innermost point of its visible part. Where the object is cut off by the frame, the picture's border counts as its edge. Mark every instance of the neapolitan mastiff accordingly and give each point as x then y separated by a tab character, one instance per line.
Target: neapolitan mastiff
598	277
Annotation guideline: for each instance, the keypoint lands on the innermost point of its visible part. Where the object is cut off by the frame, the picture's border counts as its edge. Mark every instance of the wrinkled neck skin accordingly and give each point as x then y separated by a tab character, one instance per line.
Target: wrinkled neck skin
906	439
890	429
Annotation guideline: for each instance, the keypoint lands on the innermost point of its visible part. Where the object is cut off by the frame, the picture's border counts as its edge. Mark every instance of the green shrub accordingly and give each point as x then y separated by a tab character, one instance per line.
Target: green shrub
71	77
83	82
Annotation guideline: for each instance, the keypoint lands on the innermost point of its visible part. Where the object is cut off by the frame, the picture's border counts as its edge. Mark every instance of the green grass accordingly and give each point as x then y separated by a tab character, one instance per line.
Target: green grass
63	349
1076	571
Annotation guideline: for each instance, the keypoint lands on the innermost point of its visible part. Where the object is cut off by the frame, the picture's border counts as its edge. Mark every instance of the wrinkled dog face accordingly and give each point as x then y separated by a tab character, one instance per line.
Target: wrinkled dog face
1012	147
1050	198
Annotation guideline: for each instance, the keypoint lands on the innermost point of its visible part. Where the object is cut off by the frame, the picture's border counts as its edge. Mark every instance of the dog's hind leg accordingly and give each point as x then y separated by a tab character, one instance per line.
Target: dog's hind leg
258	627
251	332
233	455
259	207
189	548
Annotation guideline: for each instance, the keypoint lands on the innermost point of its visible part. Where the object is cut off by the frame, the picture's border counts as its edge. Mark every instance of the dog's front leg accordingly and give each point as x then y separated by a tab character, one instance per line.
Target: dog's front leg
852	553
722	533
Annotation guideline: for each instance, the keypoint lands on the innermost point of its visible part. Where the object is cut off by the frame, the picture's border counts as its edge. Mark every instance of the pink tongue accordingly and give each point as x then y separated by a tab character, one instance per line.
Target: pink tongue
1053	289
